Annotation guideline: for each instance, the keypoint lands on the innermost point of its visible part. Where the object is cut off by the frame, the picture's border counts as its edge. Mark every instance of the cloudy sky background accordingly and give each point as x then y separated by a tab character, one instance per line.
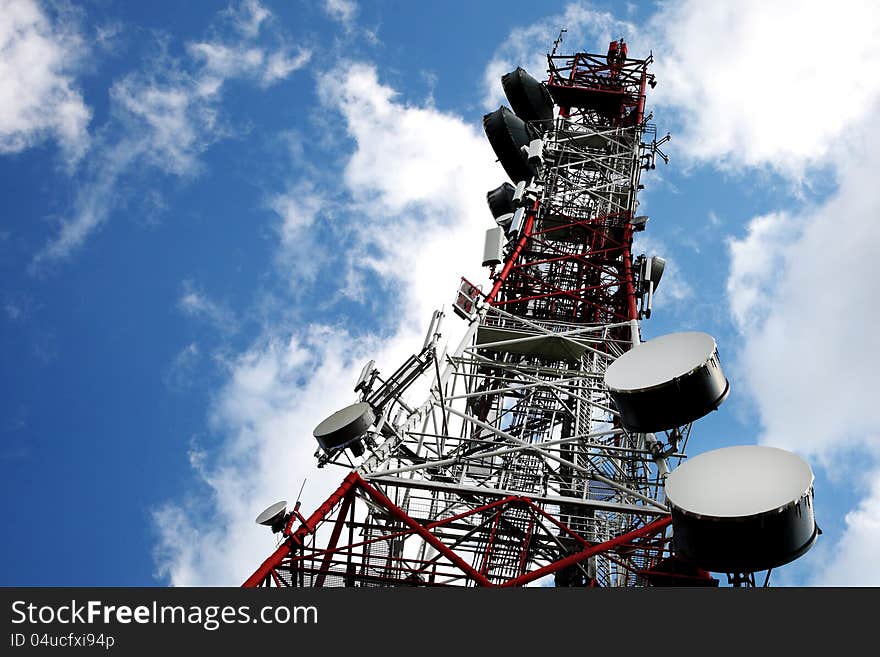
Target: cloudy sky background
213	216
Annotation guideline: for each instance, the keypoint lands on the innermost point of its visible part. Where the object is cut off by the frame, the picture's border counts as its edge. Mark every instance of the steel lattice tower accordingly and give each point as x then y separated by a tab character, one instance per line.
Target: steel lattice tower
517	466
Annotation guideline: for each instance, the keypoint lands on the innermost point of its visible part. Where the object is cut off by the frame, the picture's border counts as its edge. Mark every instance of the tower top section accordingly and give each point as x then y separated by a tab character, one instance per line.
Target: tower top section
611	85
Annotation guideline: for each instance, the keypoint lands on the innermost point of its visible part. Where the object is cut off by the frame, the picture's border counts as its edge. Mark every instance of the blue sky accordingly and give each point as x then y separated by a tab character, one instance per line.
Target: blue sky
214	214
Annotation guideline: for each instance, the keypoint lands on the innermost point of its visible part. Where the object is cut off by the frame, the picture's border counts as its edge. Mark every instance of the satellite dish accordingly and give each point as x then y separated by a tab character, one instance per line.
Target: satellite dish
529	98
274	516
500	200
507	134
742	509
667	382
345	427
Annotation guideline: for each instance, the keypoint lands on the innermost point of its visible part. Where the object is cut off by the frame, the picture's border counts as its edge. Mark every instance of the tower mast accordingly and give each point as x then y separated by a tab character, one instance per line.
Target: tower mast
517	468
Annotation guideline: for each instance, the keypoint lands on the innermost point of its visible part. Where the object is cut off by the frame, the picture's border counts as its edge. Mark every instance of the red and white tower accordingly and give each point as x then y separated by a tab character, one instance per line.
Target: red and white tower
519	466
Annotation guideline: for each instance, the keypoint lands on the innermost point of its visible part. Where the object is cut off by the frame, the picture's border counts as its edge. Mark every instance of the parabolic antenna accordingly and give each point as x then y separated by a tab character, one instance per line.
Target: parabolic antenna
344	426
742	509
273	516
500	200
529	98
507	134
667	382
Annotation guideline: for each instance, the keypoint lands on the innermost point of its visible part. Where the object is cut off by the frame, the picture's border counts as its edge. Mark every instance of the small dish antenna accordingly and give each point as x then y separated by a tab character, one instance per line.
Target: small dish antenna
274	516
345	428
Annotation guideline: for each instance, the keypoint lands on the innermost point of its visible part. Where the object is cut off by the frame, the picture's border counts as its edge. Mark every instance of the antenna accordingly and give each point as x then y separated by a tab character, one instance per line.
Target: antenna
639	223
367	378
507	134
433	334
558	41
529	99
299	495
274	516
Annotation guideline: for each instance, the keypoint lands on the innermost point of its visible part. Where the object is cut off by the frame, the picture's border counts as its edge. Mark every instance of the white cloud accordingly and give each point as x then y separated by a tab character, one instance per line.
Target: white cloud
743	79
761	83
755	262
39	98
179	375
166	116
13	311
173	124
804	302
801	283
266	413
343	11
851	563
92	204
248	17
197	304
158	120
417	180
280	64
528	46
300	254
109	35
674	287
222	62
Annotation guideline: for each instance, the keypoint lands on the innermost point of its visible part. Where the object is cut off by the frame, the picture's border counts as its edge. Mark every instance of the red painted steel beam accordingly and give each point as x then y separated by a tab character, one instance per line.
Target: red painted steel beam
640	112
470	512
265	570
334	538
429	538
489	543
535	509
308	527
586	553
628	274
311	556
517	251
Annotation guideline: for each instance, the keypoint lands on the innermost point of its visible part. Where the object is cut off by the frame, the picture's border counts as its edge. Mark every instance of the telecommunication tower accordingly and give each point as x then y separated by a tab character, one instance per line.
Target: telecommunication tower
543	449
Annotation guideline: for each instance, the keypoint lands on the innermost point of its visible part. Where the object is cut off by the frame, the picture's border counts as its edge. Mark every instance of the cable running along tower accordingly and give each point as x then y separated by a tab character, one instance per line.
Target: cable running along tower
542	450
